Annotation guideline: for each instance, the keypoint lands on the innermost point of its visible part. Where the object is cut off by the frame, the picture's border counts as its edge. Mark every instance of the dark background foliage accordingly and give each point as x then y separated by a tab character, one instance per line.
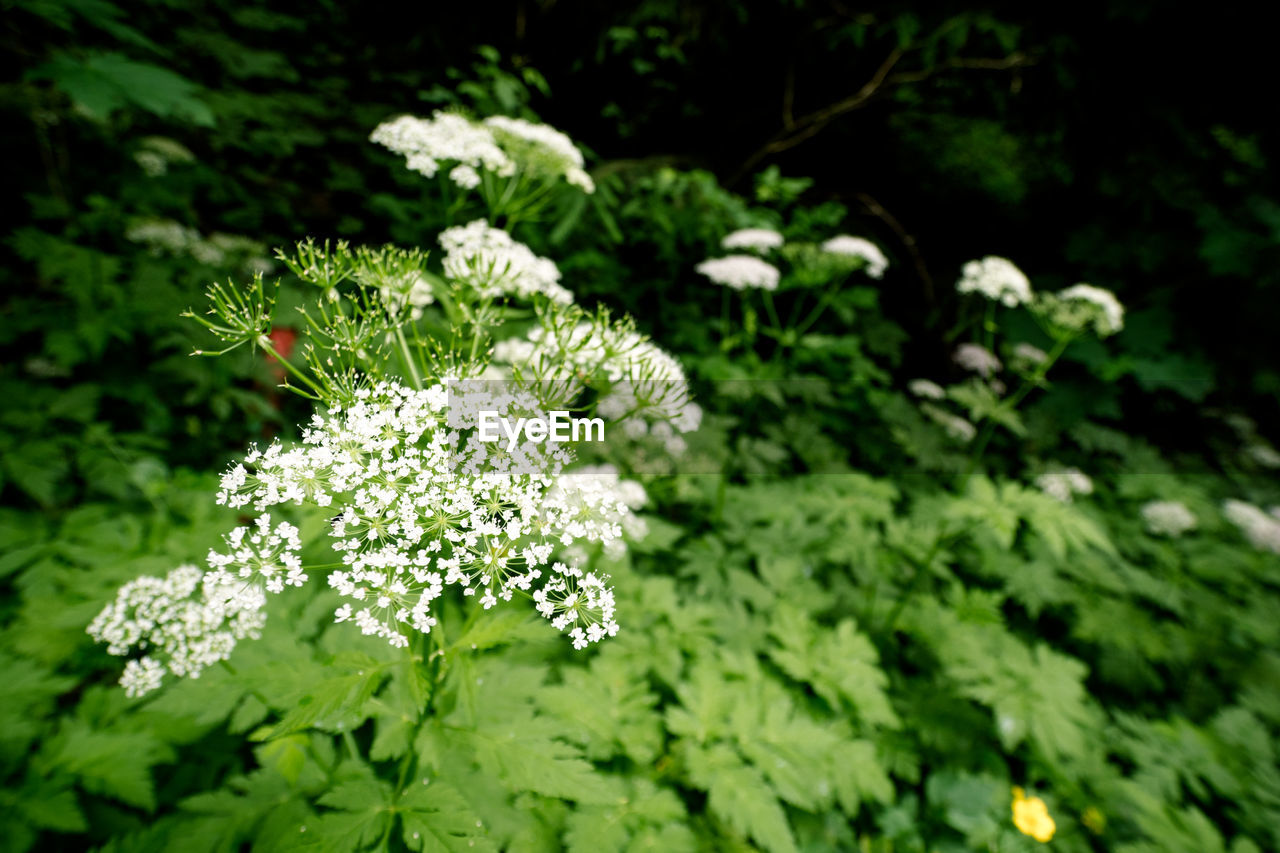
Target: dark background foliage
1125	144
1121	144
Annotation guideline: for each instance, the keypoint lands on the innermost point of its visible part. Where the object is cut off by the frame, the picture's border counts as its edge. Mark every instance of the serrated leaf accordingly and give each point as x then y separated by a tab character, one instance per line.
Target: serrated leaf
526	754
739	796
436	819
336	697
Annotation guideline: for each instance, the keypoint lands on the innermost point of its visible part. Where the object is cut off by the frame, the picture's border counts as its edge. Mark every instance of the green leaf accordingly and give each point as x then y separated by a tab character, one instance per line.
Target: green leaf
434	818
114	764
739	796
333	698
527	755
102	83
363	804
37	468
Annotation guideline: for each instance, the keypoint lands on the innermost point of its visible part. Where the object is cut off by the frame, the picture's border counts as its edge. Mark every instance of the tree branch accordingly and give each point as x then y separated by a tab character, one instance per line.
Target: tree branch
908	241
797	130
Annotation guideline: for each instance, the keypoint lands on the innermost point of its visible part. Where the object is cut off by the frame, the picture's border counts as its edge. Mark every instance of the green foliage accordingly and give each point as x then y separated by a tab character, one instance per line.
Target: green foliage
845	629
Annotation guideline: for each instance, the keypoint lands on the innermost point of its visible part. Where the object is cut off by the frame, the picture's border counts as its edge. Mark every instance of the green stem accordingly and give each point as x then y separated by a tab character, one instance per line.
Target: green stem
265	343
772	312
1028	385
724	318
408	358
350	741
820	308
922	568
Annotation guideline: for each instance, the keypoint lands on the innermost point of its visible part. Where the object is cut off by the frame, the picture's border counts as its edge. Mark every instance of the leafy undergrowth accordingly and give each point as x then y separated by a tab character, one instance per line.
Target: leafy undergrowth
801	668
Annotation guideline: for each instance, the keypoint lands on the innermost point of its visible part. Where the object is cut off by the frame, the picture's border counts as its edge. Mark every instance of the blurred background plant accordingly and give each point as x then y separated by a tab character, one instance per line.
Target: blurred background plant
853	634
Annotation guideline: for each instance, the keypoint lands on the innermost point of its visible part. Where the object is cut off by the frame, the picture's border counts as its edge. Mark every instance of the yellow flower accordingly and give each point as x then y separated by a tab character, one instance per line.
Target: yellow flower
1095	820
1031	816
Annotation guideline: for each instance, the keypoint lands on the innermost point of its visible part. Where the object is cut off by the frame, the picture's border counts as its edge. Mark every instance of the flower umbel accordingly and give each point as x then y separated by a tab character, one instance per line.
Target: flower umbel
741	272
996	279
1167	518
859	247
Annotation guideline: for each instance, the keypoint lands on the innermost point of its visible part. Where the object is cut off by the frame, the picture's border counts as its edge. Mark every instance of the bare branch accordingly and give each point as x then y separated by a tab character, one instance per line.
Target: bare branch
908	241
797	130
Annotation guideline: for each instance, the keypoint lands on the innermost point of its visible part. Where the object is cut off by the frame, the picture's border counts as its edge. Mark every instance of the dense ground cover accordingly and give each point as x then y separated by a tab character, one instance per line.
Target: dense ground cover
947	563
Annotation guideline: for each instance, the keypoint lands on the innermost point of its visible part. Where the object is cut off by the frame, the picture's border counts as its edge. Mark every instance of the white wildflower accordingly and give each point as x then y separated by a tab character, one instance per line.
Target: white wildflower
956	427
465	176
422	504
976	358
926	389
495	264
1101	308
1167	518
259	553
648	392
1064	484
757	239
1263	454
1262	530
859	247
552	151
156	153
185	621
572	599
141	676
1029	355
594	504
741	272
413	291
162	235
444	138
165	236
997	279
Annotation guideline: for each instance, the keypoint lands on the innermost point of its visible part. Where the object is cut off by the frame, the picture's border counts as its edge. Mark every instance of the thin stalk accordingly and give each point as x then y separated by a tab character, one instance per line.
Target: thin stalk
724	318
820	308
772	312
265	344
408	358
1028	384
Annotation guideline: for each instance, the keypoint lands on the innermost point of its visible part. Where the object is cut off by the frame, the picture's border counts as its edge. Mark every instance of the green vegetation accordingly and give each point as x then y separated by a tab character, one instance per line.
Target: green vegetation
940	568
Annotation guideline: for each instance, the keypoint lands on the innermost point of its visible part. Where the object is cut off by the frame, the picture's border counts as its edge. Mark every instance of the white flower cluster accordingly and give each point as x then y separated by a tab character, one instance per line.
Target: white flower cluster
648	391
1029	355
551	146
166	236
1262	529
1167	518
445	138
859	247
594	504
260	554
755	239
957	427
1263	454
156	153
741	272
927	389
424	504
413	291
420	504
996	279
184	621
1064	484
495	264
499	145
976	358
1107	312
